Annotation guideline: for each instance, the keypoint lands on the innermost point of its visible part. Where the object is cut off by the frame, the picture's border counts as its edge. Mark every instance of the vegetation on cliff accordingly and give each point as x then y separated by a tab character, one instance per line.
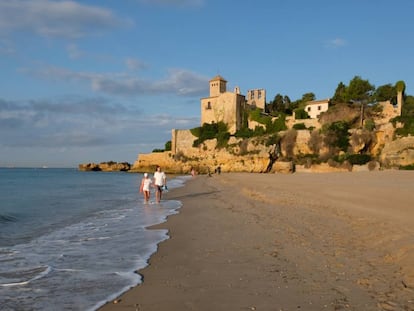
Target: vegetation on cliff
347	134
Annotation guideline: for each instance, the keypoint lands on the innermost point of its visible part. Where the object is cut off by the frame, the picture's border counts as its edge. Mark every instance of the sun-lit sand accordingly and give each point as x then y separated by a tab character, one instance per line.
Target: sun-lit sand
333	241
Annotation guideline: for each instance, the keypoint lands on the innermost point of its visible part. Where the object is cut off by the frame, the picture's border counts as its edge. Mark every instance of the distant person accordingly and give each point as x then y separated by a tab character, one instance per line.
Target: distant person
160	181
193	173
145	187
219	170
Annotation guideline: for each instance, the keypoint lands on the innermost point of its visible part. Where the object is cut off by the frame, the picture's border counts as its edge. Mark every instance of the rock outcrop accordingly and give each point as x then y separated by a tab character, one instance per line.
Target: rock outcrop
105	167
399	152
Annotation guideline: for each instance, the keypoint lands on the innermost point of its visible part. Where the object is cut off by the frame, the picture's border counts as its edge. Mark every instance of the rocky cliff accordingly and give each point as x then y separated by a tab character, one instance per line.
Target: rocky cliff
105	167
253	155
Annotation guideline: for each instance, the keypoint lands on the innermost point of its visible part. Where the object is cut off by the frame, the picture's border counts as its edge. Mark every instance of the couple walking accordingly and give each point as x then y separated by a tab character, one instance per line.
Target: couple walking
159	182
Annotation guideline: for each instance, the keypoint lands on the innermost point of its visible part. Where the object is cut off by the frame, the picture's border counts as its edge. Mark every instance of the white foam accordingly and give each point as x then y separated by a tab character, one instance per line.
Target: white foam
38	276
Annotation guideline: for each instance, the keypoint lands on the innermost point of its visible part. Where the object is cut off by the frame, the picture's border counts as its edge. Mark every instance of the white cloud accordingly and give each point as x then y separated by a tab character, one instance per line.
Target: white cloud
178	82
337	43
79	121
74	51
7	48
48	18
133	64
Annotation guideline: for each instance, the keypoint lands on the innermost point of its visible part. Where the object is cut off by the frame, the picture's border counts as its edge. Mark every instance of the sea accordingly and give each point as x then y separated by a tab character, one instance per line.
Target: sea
72	240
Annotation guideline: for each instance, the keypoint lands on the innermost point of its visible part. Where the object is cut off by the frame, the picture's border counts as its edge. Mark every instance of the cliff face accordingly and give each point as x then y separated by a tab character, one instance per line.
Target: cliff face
253	155
398	152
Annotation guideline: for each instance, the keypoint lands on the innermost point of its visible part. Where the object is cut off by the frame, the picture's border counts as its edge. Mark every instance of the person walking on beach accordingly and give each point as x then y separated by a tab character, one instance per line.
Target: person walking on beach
160	181
145	187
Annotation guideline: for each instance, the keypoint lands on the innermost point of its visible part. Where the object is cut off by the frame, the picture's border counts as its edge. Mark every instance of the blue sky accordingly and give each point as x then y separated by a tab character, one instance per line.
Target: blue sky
93	81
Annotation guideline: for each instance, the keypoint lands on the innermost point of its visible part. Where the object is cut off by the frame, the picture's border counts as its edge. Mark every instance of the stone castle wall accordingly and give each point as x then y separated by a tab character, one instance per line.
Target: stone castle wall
182	141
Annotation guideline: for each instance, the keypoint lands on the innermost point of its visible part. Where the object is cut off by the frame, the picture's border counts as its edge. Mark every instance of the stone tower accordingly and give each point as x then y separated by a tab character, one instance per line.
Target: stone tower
217	86
222	105
400	100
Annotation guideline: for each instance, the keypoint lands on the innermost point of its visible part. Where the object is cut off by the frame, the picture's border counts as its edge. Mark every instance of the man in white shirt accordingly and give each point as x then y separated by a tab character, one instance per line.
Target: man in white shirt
160	181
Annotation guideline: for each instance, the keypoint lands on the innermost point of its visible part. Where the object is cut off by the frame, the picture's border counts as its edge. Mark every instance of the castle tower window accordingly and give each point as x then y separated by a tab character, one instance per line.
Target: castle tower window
208	106
259	94
319	107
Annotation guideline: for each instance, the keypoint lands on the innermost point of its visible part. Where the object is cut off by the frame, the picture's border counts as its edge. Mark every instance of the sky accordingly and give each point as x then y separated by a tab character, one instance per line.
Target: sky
105	80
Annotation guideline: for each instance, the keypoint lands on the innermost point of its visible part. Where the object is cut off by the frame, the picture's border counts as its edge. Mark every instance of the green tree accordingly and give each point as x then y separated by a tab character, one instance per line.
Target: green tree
209	131
408	107
307	97
340	94
280	104
400	86
336	135
168	146
300	113
386	92
359	90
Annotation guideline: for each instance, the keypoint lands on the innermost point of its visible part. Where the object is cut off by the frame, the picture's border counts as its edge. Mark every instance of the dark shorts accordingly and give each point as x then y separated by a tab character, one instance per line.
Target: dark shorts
159	188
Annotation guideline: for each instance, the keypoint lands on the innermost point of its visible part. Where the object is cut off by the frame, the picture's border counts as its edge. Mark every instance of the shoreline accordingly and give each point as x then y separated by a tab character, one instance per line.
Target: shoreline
246	241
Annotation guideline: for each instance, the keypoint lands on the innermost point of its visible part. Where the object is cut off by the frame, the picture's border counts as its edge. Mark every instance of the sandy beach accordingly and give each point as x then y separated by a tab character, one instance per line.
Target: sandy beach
333	241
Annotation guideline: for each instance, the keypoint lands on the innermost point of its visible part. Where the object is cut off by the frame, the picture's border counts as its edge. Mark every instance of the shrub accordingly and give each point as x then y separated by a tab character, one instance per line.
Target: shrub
301	114
336	135
289	142
222	139
256	115
407	129
277	125
359	159
315	142
299	126
244	133
273	140
369	125
210	131
196	131
407	167
168	146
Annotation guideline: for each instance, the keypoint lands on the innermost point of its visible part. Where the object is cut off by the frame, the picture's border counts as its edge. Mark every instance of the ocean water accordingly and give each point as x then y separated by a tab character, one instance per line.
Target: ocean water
72	240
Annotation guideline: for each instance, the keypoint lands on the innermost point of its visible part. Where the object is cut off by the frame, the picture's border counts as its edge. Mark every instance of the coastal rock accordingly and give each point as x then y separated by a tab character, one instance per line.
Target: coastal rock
89	167
105	167
398	152
283	167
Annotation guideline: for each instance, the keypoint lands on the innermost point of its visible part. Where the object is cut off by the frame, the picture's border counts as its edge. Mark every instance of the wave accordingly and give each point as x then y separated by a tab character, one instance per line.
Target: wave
24	277
7	218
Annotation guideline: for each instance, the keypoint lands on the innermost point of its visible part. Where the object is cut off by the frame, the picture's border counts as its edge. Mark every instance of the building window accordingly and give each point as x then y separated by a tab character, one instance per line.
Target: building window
259	94
319	108
251	95
208	106
309	109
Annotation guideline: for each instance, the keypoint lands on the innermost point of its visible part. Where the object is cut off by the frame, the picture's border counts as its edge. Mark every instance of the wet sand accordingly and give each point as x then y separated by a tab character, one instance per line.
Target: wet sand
332	241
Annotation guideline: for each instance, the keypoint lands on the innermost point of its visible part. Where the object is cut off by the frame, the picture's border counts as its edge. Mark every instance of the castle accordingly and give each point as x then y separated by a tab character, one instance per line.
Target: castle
253	155
228	107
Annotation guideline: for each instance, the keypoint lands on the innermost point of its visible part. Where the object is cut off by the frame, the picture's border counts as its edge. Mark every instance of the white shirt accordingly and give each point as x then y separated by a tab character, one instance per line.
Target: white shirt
159	178
147	183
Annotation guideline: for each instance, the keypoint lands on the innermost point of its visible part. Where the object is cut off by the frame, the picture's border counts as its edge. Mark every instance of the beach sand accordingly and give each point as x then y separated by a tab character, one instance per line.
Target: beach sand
333	241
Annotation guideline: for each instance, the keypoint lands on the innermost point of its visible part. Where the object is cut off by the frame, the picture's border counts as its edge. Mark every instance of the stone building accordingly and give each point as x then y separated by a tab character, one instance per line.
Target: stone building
223	106
257	98
315	107
228	107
